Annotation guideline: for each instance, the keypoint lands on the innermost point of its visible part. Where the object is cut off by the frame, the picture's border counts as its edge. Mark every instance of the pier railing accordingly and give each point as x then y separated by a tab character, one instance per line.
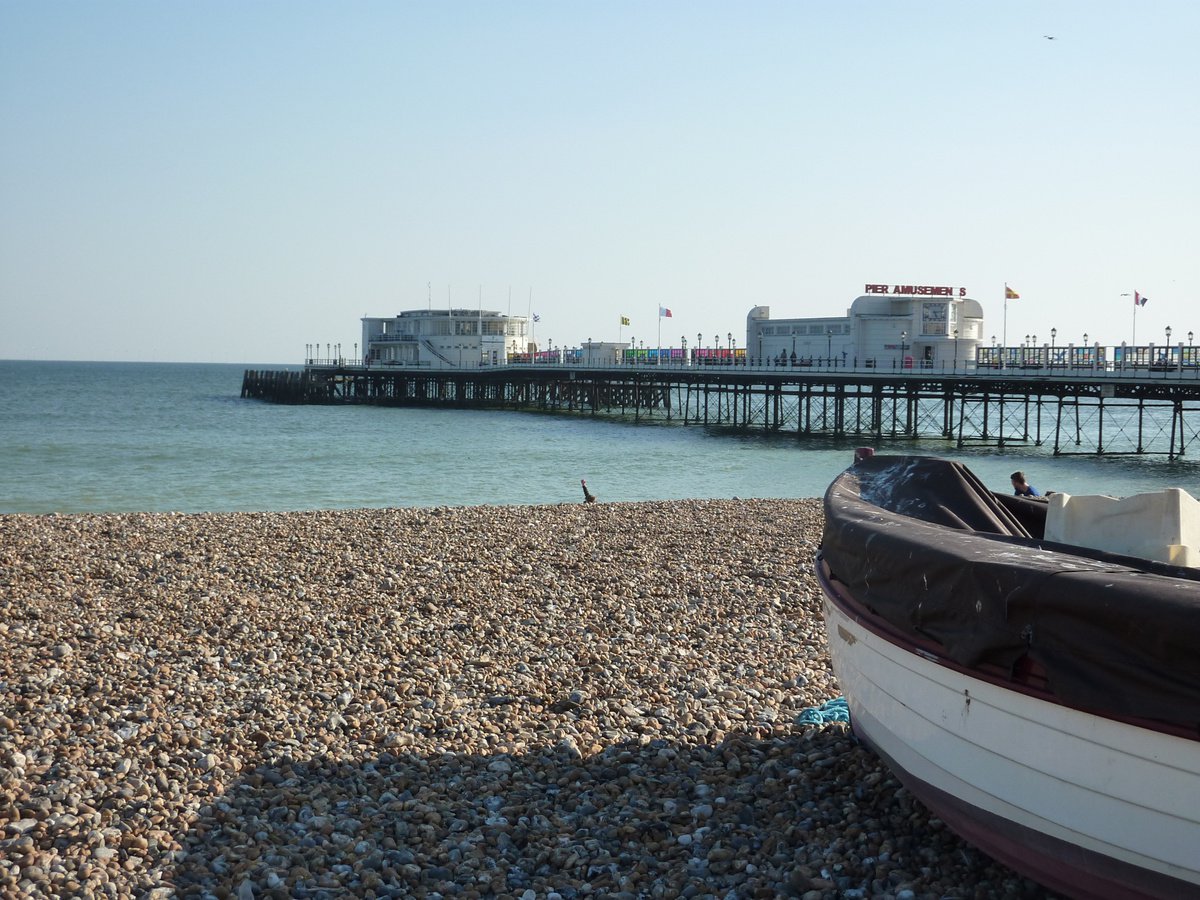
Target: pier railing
1132	368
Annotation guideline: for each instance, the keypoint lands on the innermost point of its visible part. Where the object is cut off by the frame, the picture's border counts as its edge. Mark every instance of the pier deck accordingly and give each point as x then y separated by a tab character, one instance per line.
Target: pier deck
1073	411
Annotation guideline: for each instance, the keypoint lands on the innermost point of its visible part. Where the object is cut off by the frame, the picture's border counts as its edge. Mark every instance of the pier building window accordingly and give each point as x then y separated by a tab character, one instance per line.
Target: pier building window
934	317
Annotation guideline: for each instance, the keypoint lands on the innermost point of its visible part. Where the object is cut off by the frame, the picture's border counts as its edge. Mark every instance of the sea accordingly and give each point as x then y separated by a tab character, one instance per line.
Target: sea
100	437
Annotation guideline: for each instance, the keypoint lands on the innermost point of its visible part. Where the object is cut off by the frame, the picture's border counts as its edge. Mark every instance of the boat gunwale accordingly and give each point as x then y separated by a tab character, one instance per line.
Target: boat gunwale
1024	681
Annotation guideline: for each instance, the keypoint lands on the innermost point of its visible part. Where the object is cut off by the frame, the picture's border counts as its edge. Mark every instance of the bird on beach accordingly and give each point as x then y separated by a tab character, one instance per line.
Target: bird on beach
588	496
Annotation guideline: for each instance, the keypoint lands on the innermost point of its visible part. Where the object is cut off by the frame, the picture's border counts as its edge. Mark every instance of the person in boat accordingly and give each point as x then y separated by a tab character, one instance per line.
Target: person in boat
1023	488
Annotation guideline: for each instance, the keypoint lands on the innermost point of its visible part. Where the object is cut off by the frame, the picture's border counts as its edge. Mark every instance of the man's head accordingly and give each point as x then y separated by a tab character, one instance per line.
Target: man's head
1018	480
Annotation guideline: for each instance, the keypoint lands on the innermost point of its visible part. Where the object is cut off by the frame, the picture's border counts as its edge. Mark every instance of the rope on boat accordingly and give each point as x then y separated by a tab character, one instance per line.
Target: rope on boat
835	710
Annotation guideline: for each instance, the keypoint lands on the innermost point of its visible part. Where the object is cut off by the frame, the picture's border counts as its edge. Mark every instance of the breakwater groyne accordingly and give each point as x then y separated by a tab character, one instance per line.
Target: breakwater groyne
1072	411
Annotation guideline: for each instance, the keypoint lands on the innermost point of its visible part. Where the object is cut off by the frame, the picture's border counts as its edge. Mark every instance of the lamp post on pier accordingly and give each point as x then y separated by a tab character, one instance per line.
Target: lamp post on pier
1053	337
903	347
828	345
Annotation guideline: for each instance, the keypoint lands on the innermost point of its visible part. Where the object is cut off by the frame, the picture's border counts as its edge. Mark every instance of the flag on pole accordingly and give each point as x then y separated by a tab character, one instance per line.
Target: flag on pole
1139	299
1010	294
624	320
664	313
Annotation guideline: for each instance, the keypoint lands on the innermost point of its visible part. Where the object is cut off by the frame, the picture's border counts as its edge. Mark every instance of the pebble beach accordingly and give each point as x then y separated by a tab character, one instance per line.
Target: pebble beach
475	702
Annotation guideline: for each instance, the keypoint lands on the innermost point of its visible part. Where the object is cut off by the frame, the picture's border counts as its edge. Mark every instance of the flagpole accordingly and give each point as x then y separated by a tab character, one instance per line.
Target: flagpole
1135	306
532	329
1004	333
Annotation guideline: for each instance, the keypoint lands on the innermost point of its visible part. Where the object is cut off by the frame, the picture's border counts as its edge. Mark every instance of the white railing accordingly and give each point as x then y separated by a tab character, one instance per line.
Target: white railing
881	368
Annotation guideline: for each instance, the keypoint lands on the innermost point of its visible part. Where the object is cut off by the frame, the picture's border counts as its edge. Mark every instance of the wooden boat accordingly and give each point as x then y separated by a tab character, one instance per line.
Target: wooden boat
1042	698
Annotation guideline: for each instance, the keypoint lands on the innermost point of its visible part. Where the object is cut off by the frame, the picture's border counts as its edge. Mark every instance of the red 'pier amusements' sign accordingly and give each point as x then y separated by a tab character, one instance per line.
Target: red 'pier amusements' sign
916	290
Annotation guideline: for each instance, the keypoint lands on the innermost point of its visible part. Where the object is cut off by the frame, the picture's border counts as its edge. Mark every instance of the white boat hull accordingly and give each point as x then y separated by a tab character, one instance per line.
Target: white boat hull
1086	805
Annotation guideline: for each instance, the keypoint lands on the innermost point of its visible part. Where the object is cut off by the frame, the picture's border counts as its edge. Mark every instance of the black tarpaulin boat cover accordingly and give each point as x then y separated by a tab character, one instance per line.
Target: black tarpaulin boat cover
926	546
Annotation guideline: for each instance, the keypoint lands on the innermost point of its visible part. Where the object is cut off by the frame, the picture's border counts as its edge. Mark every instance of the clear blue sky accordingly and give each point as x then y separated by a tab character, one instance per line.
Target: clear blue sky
226	181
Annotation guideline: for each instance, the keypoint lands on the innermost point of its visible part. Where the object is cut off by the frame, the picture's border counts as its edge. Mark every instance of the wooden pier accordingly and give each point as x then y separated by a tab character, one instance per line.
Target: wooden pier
1073	411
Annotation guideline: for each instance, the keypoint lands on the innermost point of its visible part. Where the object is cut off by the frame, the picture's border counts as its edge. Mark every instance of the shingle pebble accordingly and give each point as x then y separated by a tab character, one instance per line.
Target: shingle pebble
551	701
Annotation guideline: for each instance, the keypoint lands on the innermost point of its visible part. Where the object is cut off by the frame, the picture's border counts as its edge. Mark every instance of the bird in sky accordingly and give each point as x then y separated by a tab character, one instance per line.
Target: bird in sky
1048	37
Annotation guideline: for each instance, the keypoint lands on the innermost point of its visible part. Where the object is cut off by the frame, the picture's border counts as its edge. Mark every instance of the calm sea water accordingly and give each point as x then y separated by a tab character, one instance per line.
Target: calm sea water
114	437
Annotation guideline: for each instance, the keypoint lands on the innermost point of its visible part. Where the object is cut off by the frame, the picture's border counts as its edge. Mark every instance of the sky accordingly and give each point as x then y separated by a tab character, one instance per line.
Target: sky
233	181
